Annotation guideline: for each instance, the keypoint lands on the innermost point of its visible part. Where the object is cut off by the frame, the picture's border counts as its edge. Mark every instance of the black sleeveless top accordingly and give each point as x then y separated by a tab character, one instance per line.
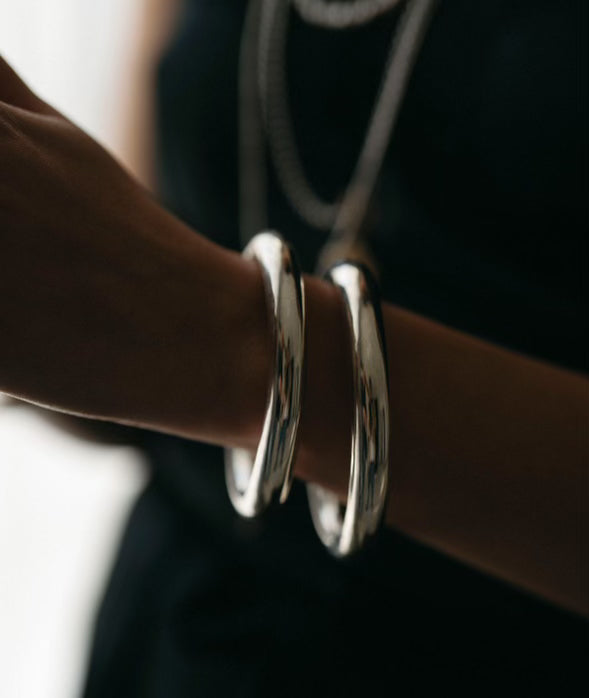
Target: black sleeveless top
480	222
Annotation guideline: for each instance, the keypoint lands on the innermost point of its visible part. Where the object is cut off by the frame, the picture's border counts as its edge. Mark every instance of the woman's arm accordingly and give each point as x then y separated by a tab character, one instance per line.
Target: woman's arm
111	308
489	448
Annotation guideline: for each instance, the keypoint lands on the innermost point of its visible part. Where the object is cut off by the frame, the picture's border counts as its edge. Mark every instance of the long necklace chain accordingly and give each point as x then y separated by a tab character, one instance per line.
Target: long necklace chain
264	103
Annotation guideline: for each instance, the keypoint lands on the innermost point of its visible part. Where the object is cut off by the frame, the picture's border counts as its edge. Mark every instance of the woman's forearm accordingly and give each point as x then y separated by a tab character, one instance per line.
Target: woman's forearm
488	457
488	447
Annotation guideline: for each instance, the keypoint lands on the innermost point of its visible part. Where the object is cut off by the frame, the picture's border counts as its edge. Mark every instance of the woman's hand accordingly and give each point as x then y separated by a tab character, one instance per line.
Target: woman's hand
100	288
68	232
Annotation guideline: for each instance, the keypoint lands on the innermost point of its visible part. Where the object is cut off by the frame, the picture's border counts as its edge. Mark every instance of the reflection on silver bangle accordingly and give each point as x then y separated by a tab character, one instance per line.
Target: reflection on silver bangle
252	483
344	532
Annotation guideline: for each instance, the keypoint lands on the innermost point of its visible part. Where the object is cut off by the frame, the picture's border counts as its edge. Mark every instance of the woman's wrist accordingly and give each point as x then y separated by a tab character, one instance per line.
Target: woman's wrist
207	345
226	352
326	417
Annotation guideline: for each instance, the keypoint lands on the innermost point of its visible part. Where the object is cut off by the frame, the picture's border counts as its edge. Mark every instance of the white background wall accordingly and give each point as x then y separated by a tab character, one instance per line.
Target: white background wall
63	501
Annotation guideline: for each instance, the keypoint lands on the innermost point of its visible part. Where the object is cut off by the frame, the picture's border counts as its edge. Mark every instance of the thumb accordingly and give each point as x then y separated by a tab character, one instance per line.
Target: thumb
14	92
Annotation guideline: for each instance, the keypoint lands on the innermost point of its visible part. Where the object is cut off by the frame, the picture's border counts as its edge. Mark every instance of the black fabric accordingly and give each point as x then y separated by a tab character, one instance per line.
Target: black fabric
480	222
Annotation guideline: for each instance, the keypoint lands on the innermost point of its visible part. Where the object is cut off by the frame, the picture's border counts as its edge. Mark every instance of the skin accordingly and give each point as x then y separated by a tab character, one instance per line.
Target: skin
112	309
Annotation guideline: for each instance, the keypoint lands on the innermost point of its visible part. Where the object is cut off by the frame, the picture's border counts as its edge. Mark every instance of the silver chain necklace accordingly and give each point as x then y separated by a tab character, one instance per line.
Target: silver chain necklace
264	110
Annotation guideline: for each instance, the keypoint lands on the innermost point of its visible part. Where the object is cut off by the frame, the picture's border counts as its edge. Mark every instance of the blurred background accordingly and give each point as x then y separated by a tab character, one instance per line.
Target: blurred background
64	496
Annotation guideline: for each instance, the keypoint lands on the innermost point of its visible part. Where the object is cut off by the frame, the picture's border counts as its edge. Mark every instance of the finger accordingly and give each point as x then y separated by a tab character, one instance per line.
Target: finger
13	91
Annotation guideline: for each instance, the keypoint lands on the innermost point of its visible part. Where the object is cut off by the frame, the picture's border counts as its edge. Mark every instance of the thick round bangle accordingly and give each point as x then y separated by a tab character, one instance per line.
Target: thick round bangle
343	531
252	483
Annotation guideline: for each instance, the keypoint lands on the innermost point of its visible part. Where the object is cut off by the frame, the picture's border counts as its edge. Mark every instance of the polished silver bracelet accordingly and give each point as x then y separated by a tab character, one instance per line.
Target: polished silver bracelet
343	529
254	482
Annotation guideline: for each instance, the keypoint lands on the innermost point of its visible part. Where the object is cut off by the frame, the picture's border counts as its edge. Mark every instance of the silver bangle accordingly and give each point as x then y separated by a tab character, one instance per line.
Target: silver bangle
252	483
344	530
